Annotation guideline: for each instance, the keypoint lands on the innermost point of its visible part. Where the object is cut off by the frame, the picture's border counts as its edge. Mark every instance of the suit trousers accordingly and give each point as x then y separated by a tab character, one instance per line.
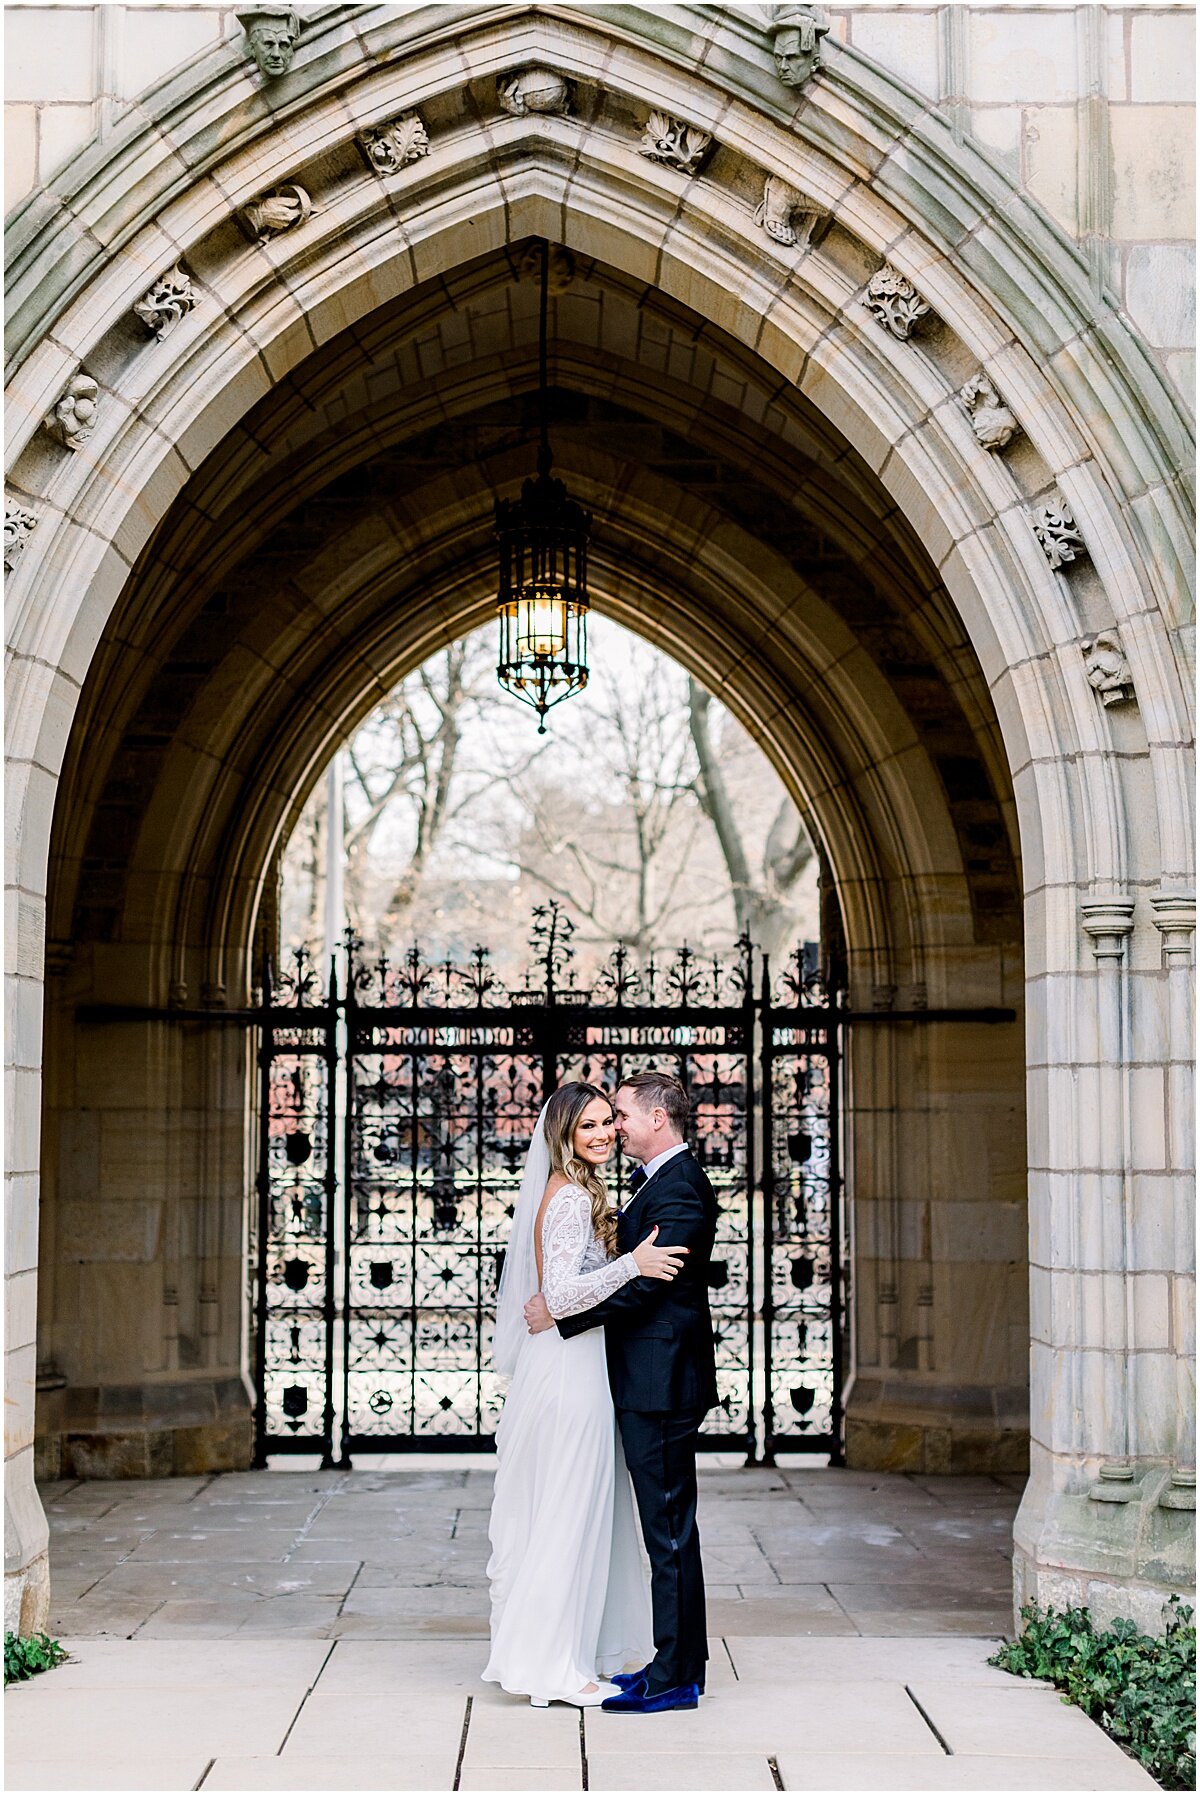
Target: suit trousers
660	1451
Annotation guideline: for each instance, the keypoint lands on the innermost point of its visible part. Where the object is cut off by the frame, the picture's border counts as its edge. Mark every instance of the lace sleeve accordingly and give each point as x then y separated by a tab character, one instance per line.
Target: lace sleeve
566	1236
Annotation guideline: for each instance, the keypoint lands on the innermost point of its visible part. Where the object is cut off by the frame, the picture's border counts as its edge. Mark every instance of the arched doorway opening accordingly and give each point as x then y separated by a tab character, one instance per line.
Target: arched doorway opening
831	640
645	811
290	507
637	891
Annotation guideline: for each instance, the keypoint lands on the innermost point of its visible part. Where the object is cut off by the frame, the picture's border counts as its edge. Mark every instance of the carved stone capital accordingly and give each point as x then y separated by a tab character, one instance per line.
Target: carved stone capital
991	420
1109	923
272	33
388	148
674	142
797	32
1055	528
19	525
1107	668
169	301
281	209
533	90
894	302
74	417
786	215
1174	916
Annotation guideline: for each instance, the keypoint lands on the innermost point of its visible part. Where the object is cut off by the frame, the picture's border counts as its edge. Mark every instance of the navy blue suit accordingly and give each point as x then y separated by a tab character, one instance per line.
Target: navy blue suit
661	1365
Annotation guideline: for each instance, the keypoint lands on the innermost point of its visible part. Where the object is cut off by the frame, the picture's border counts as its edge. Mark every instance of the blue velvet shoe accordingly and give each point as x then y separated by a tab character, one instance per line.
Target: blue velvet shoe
639	1701
629	1679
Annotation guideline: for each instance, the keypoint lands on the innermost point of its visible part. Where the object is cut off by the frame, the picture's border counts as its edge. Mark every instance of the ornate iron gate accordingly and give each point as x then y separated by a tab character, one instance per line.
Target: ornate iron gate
395	1118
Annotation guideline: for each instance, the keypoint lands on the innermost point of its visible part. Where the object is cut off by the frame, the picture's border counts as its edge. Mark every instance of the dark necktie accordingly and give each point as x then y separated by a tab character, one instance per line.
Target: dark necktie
637	1178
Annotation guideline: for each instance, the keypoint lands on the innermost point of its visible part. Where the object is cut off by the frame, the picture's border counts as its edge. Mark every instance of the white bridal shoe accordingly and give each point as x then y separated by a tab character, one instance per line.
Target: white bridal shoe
590	1698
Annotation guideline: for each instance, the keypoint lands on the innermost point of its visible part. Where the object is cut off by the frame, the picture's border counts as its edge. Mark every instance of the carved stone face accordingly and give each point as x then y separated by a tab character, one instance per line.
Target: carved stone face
271	46
1103	668
792	63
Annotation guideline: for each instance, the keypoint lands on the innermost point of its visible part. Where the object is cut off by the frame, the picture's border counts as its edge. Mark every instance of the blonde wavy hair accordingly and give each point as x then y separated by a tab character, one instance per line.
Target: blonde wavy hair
562	1118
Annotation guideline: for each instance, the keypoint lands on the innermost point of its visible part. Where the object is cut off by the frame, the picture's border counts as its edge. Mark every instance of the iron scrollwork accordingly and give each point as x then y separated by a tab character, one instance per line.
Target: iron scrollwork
380	1239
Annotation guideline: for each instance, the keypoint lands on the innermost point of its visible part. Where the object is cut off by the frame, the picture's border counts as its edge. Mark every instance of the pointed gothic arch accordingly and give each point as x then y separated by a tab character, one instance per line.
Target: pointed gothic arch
175	489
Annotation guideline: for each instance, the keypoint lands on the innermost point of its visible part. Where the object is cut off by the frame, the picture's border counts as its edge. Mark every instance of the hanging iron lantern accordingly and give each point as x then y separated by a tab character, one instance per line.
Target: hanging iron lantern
542	601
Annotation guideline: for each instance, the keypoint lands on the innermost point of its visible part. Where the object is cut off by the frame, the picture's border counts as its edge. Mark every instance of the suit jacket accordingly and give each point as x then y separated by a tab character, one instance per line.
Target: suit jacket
659	1335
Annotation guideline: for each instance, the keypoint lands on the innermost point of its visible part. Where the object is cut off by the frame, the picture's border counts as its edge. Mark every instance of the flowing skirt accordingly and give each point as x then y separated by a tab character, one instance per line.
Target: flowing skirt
570	1592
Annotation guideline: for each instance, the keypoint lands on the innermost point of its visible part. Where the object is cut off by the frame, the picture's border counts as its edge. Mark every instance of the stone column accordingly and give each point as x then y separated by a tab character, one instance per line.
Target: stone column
26	1564
1175	919
1104	1522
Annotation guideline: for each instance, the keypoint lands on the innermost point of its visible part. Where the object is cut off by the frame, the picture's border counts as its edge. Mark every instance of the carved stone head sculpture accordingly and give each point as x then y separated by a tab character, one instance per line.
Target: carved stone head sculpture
1107	668
271	35
798	32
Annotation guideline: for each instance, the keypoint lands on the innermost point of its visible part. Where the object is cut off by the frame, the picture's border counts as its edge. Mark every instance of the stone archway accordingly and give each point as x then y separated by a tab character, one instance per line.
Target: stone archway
925	678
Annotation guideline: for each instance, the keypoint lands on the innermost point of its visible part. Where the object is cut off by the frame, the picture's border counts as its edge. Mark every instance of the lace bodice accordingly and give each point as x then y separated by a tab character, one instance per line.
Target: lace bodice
576	1271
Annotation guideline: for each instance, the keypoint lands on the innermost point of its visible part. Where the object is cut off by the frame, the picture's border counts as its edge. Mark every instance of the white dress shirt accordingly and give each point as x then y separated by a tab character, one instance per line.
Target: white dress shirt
660	1159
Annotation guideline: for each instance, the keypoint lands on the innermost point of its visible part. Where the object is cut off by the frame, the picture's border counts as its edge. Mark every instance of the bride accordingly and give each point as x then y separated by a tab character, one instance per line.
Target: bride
570	1601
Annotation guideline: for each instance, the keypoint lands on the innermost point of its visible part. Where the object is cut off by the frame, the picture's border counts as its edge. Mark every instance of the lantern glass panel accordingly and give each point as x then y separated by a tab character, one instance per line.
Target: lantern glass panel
542	628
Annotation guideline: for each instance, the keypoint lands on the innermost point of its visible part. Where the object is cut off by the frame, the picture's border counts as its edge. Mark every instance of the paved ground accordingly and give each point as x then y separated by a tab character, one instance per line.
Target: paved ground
309	1630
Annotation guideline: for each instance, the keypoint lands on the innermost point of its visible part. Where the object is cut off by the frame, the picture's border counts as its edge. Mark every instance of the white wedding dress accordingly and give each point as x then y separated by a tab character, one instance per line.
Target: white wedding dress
570	1593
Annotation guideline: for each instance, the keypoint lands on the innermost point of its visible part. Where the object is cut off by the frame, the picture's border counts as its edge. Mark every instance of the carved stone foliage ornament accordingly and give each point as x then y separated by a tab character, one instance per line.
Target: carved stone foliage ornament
787	215
894	302
533	90
674	142
19	525
169	300
991	420
1107	668
282	209
1055	528
798	31
74	417
391	147
272	33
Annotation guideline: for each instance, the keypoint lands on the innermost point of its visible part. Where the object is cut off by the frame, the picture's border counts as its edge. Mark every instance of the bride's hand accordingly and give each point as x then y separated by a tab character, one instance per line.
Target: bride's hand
658	1262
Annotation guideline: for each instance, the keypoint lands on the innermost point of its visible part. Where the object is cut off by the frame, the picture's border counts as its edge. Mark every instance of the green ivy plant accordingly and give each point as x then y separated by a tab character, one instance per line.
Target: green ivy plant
1140	1689
23	1658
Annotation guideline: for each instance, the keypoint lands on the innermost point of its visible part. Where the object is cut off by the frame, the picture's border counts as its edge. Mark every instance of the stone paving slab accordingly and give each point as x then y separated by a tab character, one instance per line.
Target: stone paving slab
803	1609
397	1666
427	1722
401	1553
773	1716
929	1776
245	1628
517	1776
350	1771
1020	1721
291	1664
944	1661
100	1723
399	1710
143	1772
508	1731
638	1770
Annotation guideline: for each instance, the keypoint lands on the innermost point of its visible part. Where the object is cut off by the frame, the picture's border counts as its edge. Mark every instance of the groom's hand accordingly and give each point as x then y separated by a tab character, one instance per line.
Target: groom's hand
538	1318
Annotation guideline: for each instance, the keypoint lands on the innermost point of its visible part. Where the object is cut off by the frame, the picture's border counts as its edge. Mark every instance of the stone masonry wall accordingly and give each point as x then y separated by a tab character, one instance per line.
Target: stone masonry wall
1090	108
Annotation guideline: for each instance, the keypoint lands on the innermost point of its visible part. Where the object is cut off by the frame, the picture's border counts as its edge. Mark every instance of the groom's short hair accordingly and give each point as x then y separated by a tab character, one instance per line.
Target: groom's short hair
659	1090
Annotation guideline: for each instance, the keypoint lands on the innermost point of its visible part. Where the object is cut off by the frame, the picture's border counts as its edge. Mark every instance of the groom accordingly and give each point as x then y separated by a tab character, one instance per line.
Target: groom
661	1366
